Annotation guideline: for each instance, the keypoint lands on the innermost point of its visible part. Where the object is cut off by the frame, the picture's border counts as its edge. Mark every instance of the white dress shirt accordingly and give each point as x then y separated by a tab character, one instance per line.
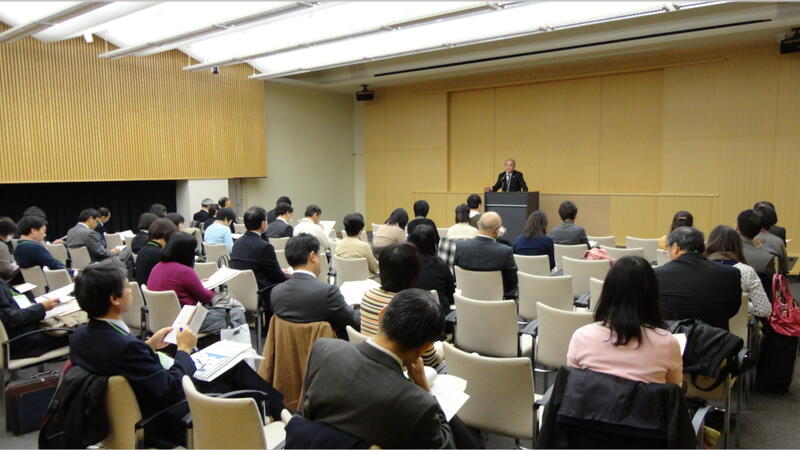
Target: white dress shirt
307	225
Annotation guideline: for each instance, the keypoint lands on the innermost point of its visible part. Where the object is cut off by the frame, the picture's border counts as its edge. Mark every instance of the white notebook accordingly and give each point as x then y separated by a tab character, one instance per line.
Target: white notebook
190	317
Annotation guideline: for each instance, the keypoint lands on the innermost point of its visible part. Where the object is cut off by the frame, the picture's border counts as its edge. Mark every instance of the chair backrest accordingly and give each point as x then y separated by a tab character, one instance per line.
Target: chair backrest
59	252
480	285
533	265
56	279
573	251
355	337
595	289
555	331
662	257
376	227
282	261
738	323
492	382
279	243
609	241
239	228
581	270
133	316
128	240
618	253
123	412
163	307
323	267
442	231
34	275
113	240
3	339
488	328
553	291
80	257
243	287
198	236
650	246
224	422
204	270
215	251
350	269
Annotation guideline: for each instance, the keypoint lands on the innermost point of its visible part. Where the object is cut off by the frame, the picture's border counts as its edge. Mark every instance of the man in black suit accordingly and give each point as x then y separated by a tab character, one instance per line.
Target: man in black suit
509	180
692	287
361	390
421	208
271	216
303	298
280	227
484	253
100	227
254	253
202	215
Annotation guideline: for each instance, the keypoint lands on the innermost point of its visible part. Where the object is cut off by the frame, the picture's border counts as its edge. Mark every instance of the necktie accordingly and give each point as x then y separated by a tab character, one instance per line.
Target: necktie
508	182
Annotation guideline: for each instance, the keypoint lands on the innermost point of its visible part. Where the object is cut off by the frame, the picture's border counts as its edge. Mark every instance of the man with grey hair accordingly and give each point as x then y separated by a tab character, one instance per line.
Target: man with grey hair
692	287
202	215
484	253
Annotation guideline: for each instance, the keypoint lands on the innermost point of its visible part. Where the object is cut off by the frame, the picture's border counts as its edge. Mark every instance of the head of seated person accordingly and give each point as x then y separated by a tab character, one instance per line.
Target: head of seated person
398	217
421	208
410	324
283	199
161	230
681	219
683	240
462	213
353	224
176	219
158	209
314	213
474	201
224	202
284	211
104	214
489	224
724	243
32	228
302	253
567	211
424	238
226	216
7	229
536	225
399	267
34	211
255	219
89	217
102	290
769	218
145	220
180	249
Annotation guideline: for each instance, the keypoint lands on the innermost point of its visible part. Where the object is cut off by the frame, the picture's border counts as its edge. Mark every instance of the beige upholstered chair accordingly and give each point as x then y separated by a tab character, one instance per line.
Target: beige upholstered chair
608	241
123	412
56	279
662	257
80	257
163	307
281	256
239	228
113	240
490	328
618	253
555	331
133	317
572	251
355	337
216	251
244	287
34	275
553	291
650	246
480	285
204	270
533	265
581	270
350	269
59	252
595	289
279	243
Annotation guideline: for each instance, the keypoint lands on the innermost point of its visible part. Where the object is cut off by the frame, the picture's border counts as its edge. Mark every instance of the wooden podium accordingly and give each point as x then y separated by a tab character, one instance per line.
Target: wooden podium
514	208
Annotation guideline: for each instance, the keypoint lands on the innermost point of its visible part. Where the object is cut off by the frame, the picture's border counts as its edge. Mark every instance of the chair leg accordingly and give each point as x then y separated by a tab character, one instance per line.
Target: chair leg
726	427
258	332
738	425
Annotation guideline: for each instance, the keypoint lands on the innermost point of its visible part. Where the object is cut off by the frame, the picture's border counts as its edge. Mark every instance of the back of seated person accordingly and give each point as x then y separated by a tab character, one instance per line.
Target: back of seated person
352	247
141	237
434	275
628	339
775	229
462	229
534	240
150	255
30	251
393	230
680	219
280	228
202	215
18	321
272	216
421	209
219	232
303	298
83	235
770	241
8	267
484	253
568	233
212	216
749	225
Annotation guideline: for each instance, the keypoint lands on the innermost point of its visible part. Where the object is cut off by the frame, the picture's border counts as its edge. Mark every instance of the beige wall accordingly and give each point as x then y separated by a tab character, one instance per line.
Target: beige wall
310	140
710	130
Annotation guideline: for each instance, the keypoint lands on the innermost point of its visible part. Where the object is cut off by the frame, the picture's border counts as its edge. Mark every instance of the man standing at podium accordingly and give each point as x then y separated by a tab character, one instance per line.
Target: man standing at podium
509	180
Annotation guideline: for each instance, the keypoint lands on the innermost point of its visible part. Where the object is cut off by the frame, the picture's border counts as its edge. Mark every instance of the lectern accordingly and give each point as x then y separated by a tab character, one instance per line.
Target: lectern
514	208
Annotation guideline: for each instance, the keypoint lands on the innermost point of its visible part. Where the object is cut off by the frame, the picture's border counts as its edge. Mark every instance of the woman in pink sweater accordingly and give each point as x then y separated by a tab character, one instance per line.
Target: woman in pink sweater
176	273
629	339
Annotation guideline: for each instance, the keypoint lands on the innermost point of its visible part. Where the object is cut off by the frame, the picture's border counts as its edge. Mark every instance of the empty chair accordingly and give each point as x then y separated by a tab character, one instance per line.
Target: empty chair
243	287
239	228
163	307
113	240
135	318
552	291
122	410
59	252
34	275
80	257
595	289
501	393
216	251
354	336
348	269
205	270
573	251
323	267
533	265
618	253
490	328
279	243
282	261
555	331
662	257
56	279
229	422
609	241
480	285
581	270
650	246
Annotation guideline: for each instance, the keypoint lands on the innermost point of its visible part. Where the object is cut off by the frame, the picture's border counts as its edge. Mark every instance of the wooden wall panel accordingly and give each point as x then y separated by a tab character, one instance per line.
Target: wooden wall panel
634	216
788	94
787	186
471	139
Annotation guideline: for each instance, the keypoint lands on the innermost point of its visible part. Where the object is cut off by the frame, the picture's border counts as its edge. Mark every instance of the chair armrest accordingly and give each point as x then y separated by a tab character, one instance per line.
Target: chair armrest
141	424
545	399
252	393
744	360
451	317
531	328
700	417
41	330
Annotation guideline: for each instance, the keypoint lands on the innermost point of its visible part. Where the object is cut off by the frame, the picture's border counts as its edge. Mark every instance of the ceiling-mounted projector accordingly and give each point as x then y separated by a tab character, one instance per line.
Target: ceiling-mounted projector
792	44
364	95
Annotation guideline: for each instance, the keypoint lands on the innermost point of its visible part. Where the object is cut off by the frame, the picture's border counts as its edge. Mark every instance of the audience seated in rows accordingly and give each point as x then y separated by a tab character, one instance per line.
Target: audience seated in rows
393	231
421	209
83	235
175	273
105	347
352	247
272	215
484	253
280	228
462	229
534	240
100	228
774	229
30	250
202	215
692	287
158	209
725	247
18	321
474	202
9	269
176	219
629	339
748	224
680	219
310	225
434	275
219	232
399	268
361	390
568	233
141	237
770	242
159	232
303	298
253	252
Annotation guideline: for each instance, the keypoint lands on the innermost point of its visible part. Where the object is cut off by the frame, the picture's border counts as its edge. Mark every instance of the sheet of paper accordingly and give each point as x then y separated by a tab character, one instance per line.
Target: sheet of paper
22	301
450	394
236	235
63	308
353	291
681	338
190	317
327	226
126	233
217	358
64	293
120	247
24	287
221	276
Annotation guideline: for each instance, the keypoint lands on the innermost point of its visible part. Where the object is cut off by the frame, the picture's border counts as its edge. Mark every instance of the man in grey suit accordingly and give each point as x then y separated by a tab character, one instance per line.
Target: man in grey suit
280	227
748	224
83	235
303	298
484	253
361	390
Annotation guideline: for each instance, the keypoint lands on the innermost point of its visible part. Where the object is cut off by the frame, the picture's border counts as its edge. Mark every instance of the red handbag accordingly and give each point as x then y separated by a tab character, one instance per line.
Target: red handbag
785	318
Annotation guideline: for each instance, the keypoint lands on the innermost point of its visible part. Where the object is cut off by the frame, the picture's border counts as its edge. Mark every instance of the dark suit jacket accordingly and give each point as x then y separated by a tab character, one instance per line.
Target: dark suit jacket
422	221
253	253
139	240
517	183
271	216
100	229
148	257
279	229
81	236
482	253
302	299
29	253
18	321
200	216
361	390
692	287
434	275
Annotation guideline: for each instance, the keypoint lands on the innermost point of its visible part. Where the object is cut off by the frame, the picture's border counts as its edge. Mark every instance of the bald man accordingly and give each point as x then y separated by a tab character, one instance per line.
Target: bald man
484	253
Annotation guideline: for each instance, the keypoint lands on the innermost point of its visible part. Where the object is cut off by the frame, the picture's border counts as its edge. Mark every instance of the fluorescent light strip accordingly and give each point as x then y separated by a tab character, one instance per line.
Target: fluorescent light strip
208	30
31	28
